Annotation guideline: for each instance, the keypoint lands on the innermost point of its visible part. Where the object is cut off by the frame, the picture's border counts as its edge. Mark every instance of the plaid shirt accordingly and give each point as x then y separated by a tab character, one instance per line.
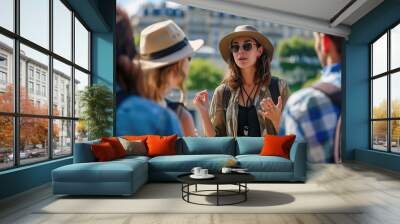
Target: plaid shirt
312	117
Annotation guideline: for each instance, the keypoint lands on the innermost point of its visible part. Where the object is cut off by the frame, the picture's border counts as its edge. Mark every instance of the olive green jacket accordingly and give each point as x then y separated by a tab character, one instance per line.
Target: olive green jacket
229	126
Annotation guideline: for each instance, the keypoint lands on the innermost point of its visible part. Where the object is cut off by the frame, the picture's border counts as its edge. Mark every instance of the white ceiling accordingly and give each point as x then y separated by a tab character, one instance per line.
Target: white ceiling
316	15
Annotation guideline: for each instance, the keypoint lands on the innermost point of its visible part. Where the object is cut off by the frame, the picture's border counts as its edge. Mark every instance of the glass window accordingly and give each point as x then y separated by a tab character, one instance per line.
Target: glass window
395	136
62	138
34	79
40	62
81	81
379	98
3	61
395	95
33	140
379	135
62	29
37	89
379	56
6	73
7	14
30	72
81	45
34	21
3	78
382	138
395	47
81	131
30	87
6	142
43	90
37	75
62	72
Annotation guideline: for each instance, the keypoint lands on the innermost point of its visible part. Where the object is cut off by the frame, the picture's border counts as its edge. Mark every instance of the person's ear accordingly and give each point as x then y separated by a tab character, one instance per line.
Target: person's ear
260	51
326	44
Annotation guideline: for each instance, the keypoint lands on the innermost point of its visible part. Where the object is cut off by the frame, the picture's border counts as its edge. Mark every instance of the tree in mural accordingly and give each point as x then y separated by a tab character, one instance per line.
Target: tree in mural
33	131
299	62
204	74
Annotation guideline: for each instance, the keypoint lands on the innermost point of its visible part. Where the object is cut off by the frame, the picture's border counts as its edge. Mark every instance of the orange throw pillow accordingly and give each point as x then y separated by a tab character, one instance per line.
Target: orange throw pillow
135	138
116	145
161	145
103	152
277	145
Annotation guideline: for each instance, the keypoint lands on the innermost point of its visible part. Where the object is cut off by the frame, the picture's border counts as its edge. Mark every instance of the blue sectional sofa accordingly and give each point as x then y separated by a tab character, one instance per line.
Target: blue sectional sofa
125	176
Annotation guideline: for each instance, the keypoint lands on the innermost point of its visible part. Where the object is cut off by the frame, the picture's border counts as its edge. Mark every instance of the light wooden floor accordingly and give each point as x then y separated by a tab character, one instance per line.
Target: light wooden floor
378	188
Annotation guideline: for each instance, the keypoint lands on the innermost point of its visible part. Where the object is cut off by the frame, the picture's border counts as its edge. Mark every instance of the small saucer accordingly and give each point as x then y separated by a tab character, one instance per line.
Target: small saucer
208	176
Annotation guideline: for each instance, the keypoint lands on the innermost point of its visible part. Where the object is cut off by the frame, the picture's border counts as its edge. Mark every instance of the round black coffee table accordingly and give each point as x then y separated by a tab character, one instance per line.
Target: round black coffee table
238	179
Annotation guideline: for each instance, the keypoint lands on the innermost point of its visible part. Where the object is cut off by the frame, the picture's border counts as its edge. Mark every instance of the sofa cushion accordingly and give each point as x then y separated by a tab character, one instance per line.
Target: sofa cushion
161	145
83	152
117	146
135	147
257	163
206	145
249	145
131	158
185	163
277	145
112	171
103	152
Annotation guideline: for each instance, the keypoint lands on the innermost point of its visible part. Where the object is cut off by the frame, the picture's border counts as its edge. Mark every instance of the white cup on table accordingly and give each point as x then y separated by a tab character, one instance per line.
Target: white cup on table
203	172
196	171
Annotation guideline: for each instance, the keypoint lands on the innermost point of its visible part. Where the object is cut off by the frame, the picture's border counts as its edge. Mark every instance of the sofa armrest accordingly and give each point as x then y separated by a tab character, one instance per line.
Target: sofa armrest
83	152
298	155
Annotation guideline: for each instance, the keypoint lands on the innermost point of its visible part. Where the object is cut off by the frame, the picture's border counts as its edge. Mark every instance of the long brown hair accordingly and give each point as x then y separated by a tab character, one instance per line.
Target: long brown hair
156	81
233	77
129	75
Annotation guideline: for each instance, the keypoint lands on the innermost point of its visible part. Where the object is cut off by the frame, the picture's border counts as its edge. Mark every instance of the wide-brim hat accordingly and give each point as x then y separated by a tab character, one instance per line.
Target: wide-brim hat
165	43
245	31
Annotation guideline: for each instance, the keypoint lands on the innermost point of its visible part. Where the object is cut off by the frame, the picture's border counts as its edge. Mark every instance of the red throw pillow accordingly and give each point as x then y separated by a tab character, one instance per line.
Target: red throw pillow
277	145
161	145
103	152
116	145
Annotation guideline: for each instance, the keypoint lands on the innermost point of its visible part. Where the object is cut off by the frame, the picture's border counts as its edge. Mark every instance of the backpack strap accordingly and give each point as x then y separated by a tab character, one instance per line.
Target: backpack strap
331	91
226	96
177	107
334	94
274	89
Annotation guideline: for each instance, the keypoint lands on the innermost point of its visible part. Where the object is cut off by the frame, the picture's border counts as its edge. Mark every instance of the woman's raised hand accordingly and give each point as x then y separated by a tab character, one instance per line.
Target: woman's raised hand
272	111
201	101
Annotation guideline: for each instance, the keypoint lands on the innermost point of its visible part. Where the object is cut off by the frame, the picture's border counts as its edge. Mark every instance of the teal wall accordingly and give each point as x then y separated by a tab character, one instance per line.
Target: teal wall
356	82
99	16
103	60
24	178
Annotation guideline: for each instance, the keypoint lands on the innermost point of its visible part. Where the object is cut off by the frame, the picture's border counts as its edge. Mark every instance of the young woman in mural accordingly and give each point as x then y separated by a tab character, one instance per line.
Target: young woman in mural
249	101
165	58
136	115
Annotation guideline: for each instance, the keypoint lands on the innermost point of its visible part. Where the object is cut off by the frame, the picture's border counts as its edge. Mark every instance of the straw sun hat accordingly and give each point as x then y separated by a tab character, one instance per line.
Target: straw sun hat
245	31
165	43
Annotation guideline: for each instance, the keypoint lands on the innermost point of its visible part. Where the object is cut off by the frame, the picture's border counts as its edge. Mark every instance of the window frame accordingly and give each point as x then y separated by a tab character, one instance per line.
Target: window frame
388	74
16	115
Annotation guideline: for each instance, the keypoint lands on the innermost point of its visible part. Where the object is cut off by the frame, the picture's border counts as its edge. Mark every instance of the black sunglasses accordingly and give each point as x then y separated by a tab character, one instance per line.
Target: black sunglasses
246	47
